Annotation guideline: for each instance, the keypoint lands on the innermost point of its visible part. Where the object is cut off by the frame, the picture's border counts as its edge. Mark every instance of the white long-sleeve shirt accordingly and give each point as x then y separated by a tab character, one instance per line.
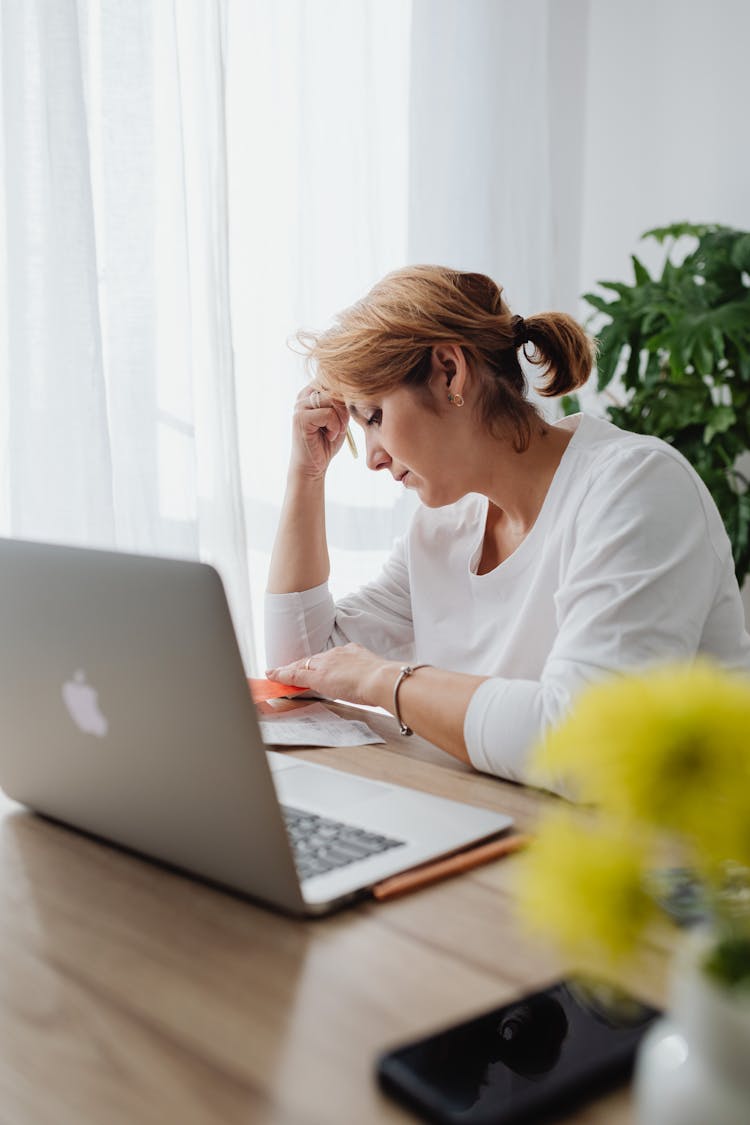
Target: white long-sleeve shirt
628	563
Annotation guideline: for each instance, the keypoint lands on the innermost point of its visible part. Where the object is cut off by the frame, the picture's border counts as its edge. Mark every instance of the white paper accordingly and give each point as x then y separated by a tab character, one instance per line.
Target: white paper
315	726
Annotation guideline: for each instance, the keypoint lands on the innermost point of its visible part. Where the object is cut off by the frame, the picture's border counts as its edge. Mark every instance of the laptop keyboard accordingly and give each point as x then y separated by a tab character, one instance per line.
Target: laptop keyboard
321	844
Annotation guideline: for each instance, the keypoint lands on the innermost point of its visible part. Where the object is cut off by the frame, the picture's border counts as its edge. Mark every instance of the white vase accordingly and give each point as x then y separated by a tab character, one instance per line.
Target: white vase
693	1066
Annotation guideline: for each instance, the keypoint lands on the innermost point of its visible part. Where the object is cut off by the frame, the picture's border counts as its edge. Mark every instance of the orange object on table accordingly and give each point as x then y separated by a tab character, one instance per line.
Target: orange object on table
435	870
261	690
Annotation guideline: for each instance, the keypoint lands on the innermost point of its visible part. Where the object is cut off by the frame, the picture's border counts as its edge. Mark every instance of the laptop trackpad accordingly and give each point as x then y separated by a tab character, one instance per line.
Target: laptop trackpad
327	791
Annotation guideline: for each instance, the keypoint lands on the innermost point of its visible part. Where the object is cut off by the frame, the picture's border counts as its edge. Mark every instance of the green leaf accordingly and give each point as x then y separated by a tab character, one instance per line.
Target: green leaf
740	255
570	404
733	319
630	377
599	303
652	371
677	230
642	276
743	366
721	419
618	287
718	342
612	340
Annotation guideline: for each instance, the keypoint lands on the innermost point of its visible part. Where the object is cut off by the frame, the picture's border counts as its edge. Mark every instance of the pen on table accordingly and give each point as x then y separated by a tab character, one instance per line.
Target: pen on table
454	864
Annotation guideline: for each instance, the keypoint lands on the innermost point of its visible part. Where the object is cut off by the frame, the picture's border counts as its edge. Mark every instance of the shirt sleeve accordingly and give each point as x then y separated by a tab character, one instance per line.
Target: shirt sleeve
638	575
378	615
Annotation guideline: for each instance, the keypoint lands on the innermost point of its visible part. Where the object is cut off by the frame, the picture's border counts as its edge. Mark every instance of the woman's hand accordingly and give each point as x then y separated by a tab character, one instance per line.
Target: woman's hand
433	702
348	672
318	432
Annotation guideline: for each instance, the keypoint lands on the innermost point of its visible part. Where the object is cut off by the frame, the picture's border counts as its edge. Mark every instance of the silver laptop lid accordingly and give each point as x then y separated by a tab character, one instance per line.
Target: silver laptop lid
125	712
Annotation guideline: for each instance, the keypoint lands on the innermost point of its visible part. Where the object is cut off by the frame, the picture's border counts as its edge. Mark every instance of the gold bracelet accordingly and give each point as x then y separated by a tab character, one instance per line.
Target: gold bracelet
405	671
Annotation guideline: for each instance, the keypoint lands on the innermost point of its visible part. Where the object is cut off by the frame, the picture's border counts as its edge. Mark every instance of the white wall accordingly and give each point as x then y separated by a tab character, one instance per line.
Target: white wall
666	128
479	175
667	95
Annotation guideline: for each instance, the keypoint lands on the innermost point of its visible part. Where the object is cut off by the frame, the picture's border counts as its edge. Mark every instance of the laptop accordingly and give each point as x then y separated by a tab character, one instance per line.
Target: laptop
125	712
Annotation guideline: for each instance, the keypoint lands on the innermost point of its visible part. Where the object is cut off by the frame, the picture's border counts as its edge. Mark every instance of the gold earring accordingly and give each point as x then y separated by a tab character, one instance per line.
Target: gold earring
456	400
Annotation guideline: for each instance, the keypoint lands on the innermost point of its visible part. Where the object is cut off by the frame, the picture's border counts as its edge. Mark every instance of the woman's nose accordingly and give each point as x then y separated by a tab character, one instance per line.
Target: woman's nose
377	458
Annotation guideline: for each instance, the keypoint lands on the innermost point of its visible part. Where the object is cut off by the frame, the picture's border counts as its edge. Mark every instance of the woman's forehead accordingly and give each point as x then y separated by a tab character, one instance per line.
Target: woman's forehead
363	404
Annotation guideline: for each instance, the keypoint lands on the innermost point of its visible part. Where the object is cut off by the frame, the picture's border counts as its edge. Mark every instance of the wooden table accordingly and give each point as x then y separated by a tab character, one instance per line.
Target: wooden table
131	994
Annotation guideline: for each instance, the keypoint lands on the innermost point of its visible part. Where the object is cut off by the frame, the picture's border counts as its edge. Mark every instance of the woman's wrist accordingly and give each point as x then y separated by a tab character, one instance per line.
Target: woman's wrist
301	479
380	683
405	671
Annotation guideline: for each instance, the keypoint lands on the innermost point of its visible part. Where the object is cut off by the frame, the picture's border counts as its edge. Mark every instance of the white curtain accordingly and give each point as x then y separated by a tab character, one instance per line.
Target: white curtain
318	144
118	383
185	183
479	154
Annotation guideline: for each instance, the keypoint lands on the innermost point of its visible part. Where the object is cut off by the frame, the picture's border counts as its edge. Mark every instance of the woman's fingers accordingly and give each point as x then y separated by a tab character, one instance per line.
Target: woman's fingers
322	411
288	673
319	430
315	399
342	672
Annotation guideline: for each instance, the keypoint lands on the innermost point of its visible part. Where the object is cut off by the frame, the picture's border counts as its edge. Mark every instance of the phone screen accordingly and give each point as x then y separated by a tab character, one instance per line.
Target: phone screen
524	1061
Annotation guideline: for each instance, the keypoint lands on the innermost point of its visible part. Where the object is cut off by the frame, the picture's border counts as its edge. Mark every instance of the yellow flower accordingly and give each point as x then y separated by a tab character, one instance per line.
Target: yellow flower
582	882
669	747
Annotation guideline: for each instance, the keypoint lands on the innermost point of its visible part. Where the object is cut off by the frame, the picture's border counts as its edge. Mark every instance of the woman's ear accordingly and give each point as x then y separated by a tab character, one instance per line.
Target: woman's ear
449	369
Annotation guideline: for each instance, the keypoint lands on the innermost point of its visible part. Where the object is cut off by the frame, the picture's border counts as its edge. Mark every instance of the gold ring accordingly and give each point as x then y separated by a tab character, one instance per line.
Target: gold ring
307	663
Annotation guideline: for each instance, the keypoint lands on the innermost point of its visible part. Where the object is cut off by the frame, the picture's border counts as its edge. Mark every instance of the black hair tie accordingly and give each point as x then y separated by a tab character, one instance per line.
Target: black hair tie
519	330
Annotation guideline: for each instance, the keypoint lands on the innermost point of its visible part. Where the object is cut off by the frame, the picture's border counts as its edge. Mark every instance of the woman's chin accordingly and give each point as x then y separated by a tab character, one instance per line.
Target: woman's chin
437	497
434	500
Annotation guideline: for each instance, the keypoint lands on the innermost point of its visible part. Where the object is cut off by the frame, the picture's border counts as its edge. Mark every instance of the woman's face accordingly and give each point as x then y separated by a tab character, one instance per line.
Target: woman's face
421	439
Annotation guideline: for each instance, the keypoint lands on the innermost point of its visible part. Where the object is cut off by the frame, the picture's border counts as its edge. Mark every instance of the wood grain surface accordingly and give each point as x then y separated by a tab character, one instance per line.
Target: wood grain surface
131	994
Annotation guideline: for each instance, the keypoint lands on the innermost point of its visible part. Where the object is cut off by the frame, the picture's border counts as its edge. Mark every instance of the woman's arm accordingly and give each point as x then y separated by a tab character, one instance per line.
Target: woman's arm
300	554
299	560
378	615
432	701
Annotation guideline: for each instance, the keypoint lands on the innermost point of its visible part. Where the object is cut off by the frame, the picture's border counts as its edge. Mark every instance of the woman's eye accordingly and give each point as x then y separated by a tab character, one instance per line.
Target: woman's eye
375	418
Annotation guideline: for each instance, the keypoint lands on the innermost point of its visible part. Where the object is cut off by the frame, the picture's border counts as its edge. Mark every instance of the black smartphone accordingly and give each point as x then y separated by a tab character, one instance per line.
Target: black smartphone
528	1061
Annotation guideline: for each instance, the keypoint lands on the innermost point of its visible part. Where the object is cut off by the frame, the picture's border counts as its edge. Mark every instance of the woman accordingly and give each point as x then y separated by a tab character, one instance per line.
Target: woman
543	556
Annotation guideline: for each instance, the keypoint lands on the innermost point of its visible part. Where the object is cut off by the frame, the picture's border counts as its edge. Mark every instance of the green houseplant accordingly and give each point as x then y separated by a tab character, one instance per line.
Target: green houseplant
677	348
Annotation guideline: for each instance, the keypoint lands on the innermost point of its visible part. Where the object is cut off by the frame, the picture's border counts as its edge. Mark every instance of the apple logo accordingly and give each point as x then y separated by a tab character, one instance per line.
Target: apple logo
82	702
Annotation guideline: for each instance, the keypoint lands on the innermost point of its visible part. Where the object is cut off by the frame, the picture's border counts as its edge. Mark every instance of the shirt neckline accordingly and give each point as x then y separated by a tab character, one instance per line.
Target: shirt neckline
519	557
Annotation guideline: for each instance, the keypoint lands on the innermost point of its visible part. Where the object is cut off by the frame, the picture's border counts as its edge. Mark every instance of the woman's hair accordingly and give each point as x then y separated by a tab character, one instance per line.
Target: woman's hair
386	339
